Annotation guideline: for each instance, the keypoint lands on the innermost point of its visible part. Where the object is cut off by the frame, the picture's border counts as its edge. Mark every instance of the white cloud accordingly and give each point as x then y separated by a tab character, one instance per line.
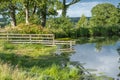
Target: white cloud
81	8
105	61
109	65
85	6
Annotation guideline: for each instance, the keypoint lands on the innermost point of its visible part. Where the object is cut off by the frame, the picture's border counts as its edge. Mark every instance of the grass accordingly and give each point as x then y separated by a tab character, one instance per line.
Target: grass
34	62
7	72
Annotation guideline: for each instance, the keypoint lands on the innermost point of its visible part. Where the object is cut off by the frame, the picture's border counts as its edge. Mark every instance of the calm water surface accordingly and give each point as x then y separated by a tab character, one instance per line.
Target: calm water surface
102	55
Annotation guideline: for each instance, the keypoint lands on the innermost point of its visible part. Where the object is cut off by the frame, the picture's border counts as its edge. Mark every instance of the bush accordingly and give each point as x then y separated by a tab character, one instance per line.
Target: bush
61	26
104	31
81	31
28	29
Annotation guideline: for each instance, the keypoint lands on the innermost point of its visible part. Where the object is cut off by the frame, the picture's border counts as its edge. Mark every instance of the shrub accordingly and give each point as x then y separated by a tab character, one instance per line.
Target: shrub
81	31
61	26
28	29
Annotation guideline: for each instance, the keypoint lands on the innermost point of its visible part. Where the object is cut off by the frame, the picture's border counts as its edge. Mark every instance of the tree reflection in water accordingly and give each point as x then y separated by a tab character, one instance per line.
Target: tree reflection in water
118	50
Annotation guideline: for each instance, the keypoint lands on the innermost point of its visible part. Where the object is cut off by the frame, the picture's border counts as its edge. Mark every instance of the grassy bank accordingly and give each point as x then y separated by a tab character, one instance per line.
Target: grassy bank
34	62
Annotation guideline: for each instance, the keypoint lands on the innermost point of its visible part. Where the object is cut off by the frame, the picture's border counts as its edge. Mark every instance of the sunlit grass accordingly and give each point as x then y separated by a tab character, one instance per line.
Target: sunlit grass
34	62
7	72
33	50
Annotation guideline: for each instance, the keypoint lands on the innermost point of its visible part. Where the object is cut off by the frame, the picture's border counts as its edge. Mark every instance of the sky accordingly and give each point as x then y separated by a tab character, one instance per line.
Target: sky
85	6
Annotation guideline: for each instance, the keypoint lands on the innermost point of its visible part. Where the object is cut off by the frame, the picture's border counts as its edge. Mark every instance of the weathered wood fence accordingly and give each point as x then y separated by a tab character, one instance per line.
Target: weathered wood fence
45	39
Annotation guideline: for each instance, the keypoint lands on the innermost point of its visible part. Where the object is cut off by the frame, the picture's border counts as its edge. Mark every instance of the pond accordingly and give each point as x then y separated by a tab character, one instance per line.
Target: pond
100	54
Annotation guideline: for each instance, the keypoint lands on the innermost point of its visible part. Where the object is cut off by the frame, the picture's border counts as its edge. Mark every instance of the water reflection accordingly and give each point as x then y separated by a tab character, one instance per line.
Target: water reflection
119	59
100	54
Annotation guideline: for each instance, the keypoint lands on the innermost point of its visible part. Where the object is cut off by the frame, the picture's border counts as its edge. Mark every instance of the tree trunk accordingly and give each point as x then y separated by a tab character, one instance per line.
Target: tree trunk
65	6
34	9
12	15
43	18
43	15
64	9
27	15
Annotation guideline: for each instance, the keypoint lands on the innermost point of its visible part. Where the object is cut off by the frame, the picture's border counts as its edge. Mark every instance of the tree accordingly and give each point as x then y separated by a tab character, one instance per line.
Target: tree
26	7
9	8
45	8
104	14
118	50
66	5
118	7
26	4
61	26
82	22
12	8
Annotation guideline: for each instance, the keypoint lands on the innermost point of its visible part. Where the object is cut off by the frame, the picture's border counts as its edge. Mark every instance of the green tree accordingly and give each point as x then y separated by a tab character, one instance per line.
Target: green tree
118	7
118	50
26	5
61	27
46	8
36	11
83	22
27	12
66	5
9	8
104	14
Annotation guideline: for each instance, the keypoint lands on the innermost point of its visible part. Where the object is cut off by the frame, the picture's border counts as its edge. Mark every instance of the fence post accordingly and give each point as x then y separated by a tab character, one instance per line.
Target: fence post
7	36
71	45
53	40
30	38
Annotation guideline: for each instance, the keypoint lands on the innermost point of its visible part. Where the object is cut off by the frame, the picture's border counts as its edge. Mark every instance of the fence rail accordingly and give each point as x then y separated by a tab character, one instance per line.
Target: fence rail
45	39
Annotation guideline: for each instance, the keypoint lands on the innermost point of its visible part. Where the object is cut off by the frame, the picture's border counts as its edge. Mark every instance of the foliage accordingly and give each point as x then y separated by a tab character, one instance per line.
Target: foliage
104	14
46	8
61	26
96	31
81	31
27	29
105	30
118	8
27	10
83	22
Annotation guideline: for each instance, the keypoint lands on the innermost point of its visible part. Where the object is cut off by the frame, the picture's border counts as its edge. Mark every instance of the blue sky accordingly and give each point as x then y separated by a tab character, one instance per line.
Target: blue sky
85	6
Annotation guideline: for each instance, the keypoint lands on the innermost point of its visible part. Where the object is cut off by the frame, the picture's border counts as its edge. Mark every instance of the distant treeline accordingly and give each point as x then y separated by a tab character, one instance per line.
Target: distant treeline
76	19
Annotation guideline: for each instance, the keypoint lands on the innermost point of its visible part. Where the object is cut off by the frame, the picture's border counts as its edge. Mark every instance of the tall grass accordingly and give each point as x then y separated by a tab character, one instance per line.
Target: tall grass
34	62
55	72
26	49
7	72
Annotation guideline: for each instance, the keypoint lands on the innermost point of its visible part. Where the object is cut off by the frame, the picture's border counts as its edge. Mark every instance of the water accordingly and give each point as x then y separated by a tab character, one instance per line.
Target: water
100	54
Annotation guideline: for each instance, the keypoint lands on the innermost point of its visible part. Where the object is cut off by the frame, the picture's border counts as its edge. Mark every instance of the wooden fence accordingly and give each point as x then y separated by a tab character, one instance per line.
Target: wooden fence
45	39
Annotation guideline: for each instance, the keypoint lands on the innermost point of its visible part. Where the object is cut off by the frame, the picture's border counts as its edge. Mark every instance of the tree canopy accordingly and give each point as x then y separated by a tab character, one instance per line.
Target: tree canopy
82	22
27	10
104	14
